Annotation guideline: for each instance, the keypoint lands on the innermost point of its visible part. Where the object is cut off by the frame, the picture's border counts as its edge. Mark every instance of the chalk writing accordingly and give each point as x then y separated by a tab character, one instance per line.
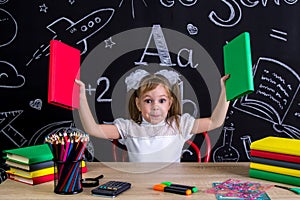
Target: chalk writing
186	101
280	35
89	89
107	84
132	6
163	51
161	46
170	3
235	12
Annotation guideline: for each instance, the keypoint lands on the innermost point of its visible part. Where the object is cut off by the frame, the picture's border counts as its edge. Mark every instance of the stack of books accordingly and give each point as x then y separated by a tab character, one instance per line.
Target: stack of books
31	165
276	159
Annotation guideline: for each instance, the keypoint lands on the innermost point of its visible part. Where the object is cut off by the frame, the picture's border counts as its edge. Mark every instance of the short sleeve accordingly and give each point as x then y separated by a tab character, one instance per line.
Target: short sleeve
122	126
186	124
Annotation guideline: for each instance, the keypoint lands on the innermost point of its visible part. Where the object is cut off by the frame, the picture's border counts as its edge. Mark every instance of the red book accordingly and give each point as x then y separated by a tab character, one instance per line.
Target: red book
275	156
31	181
64	68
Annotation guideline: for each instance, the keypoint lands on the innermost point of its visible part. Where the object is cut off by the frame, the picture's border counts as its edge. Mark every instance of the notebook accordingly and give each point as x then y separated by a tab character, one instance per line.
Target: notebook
275	156
64	68
274	162
238	63
271	176
281	145
30	154
275	169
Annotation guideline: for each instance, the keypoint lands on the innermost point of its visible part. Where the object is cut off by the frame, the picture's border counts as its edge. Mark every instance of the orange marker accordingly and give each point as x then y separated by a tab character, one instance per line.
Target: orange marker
176	190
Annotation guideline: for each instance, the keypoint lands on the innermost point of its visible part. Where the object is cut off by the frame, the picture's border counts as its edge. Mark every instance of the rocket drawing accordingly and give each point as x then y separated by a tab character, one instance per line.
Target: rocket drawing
77	33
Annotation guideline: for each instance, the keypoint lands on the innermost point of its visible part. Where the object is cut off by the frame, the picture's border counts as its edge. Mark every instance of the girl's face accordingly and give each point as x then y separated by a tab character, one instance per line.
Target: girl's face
154	105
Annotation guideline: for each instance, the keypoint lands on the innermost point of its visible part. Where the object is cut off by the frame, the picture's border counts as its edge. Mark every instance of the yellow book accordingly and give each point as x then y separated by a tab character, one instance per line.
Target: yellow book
275	169
277	145
38	173
32	174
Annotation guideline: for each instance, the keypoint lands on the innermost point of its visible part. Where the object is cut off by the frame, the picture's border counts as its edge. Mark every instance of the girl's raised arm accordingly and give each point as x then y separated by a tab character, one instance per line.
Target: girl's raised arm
106	131
218	115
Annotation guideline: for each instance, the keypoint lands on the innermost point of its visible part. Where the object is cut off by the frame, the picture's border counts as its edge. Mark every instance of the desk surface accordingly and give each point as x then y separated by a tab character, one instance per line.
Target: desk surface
143	176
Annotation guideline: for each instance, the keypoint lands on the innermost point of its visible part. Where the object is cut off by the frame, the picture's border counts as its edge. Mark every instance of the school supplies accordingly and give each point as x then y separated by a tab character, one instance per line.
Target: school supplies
30	154
172	189
32	164
30	167
275	159
238	63
68	145
64	68
192	188
31	174
273	162
3	175
275	156
239	189
275	169
276	177
295	190
32	180
281	145
91	182
111	188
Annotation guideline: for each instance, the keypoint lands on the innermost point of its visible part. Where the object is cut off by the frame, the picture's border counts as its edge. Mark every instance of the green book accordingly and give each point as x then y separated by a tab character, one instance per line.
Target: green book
275	177
30	154
238	63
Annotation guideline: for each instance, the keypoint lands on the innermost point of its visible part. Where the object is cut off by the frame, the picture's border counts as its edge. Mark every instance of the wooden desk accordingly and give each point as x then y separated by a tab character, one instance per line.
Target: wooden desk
143	176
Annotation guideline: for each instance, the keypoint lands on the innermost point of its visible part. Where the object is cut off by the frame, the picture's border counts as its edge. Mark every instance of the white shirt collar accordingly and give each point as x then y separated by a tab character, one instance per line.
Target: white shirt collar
146	123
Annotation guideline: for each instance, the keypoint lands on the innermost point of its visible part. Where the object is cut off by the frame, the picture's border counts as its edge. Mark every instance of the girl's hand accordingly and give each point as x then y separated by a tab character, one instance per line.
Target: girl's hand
223	79
81	86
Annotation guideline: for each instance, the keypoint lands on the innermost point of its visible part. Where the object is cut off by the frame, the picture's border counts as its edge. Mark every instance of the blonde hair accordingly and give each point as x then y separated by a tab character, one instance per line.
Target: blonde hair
148	83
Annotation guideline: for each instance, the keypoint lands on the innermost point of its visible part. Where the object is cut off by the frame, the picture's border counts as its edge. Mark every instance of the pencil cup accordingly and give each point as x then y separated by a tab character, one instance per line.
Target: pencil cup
67	177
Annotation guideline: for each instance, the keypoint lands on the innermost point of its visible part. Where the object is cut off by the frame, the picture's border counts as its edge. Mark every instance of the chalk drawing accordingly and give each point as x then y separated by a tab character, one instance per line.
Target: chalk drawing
9	76
6	128
276	88
75	33
9	27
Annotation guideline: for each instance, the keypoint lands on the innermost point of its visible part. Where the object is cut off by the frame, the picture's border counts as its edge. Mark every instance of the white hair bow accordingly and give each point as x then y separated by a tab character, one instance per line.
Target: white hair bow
133	80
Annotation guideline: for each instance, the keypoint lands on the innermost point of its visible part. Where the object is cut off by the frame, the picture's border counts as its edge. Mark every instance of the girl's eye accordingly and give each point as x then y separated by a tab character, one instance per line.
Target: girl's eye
162	100
148	101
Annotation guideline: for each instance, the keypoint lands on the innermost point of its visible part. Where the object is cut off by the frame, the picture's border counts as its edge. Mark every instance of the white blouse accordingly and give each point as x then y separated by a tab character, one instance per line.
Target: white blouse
155	143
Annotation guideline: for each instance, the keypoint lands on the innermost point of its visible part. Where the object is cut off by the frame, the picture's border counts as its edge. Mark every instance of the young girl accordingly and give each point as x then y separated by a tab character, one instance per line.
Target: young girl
157	130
